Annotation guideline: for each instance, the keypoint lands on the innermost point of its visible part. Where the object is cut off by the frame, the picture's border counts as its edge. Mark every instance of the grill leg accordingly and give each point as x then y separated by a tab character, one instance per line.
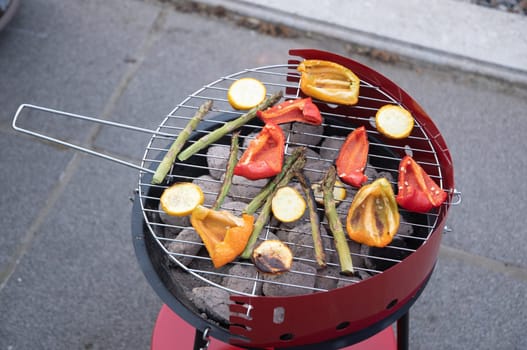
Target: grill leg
403	331
201	340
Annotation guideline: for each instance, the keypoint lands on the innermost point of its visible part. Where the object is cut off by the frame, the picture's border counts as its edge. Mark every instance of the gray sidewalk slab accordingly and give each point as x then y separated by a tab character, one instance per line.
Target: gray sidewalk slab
78	285
447	32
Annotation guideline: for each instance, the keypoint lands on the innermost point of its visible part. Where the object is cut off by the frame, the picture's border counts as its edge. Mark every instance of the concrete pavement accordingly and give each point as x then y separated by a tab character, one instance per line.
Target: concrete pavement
68	275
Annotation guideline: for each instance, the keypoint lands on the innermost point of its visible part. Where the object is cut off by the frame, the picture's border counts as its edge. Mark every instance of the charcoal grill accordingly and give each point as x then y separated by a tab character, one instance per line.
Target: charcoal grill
334	317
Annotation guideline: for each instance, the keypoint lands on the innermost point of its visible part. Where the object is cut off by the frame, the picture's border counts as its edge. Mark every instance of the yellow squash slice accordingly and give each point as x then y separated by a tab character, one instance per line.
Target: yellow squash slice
394	121
181	198
288	205
246	93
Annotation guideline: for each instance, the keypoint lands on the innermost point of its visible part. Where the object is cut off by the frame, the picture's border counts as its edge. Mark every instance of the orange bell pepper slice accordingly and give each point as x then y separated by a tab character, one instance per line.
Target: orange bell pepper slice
373	218
224	234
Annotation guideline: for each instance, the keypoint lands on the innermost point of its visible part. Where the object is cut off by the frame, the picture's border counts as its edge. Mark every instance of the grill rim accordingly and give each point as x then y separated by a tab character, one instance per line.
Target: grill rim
443	160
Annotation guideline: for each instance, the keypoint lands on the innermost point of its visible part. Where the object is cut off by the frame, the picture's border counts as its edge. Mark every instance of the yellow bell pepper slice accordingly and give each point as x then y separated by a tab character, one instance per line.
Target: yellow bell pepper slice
329	81
373	218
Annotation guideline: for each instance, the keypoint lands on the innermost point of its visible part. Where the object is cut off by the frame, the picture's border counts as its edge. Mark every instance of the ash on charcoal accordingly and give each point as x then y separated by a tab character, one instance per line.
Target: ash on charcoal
241	279
217	158
287	283
234	206
212	301
381	259
187	242
315	167
301	241
303	134
330	147
245	190
210	187
175	223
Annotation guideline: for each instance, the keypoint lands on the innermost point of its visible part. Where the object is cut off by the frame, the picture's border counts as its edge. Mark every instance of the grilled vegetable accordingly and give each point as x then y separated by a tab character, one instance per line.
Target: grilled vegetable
320	255
417	191
229	171
265	155
164	167
352	158
272	256
265	212
329	82
373	217
181	198
296	160
224	234
341	244
394	121
228	127
287	204
246	93
301	110
339	192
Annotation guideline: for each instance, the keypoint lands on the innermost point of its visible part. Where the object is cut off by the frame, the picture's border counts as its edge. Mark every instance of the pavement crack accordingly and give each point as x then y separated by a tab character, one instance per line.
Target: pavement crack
516	272
70	169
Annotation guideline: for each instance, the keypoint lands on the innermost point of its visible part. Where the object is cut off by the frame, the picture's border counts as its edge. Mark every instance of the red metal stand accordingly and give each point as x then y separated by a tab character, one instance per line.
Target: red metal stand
173	333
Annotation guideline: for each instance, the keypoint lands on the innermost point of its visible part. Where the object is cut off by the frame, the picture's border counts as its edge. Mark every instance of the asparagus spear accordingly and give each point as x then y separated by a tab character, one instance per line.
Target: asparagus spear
265	212
164	167
228	127
320	255
231	163
298	155
346	264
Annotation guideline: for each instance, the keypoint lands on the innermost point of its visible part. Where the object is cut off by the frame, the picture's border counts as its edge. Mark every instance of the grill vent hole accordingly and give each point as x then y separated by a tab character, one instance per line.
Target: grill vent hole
392	304
287	336
343	325
278	315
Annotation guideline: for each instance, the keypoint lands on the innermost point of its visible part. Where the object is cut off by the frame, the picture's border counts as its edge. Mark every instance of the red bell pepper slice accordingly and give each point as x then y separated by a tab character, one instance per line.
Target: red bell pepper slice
417	191
264	156
300	110
352	158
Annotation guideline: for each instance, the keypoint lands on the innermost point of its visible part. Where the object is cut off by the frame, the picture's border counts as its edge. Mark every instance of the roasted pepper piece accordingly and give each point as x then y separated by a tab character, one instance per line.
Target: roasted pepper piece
300	110
223	233
373	218
352	158
264	156
329	82
417	191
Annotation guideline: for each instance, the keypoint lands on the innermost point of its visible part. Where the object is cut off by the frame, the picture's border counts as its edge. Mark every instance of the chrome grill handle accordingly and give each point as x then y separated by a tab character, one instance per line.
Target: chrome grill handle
18	128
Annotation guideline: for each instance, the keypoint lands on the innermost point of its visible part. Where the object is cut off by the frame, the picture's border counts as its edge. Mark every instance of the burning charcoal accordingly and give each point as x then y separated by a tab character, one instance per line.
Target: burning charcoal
303	134
387	175
177	223
345	281
315	167
187	242
405	228
288	283
327	278
371	173
234	206
217	157
210	188
381	259
330	147
301	240
213	301
244	190
241	279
